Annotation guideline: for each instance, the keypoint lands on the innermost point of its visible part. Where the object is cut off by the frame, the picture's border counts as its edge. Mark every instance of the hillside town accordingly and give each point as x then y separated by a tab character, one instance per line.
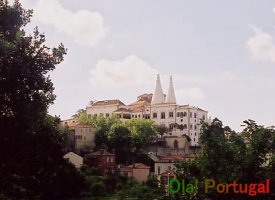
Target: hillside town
179	141
151	147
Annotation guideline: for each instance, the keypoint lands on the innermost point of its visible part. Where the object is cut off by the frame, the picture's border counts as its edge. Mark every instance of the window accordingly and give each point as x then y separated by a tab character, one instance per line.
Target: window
181	120
195	134
190	115
184	126
107	114
195	115
138	116
171	114
195	127
171	126
191	126
178	114
78	137
176	144
163	115
184	114
155	115
203	117
194	139
158	169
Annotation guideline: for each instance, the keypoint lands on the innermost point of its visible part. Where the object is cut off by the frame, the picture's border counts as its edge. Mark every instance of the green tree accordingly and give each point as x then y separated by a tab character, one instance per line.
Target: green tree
31	145
102	125
142	131
121	141
226	157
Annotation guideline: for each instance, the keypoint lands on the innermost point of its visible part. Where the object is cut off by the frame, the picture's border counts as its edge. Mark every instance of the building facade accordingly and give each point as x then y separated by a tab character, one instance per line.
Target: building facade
181	120
81	137
138	171
103	161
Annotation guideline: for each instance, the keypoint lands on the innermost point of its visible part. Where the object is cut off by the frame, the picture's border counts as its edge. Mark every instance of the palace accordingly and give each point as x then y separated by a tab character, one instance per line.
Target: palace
180	120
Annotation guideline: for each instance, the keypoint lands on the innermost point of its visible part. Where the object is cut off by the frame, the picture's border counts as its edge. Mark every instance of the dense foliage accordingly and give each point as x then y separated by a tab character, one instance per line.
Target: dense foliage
226	157
31	145
127	138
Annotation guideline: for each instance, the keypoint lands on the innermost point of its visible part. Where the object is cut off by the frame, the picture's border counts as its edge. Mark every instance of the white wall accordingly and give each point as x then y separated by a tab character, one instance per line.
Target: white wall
75	159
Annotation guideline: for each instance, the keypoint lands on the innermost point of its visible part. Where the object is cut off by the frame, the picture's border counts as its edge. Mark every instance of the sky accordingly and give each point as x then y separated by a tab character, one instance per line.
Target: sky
220	53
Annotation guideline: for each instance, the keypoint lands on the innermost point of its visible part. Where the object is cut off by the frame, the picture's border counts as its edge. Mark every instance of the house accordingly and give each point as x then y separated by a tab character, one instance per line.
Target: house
75	159
81	137
103	161
190	157
166	177
166	164
138	171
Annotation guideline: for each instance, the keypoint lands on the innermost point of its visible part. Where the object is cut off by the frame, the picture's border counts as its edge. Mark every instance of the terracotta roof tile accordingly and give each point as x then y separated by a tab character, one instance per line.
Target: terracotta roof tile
108	102
171	158
99	153
80	125
137	166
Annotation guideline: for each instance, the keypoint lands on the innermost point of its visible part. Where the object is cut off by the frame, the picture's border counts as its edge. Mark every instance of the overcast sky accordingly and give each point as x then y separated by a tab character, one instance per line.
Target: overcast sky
221	53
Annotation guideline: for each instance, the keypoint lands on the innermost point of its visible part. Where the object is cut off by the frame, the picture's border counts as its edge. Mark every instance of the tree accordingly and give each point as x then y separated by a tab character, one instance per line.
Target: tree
121	141
78	112
161	129
31	145
226	157
102	125
142	131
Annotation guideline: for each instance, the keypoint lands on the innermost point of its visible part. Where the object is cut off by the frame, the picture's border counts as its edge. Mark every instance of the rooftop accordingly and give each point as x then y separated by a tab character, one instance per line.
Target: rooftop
99	153
108	102
136	166
79	125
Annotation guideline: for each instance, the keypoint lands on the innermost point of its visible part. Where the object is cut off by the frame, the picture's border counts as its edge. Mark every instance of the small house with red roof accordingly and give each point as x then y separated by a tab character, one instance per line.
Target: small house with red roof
81	137
166	164
103	161
138	171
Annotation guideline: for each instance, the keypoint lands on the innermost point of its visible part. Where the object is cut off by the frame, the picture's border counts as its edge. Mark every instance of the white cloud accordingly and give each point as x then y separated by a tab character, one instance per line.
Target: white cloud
129	72
83	27
261	46
190	95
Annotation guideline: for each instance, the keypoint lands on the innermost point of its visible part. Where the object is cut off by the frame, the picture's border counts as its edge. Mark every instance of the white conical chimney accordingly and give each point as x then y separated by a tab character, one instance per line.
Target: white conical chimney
170	98
158	96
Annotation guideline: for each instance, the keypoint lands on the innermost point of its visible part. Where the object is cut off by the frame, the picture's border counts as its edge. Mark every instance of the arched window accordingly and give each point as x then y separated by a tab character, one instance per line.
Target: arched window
176	144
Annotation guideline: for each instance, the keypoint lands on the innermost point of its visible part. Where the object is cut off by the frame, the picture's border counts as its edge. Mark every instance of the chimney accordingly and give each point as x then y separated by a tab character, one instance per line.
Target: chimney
170	98
158	96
